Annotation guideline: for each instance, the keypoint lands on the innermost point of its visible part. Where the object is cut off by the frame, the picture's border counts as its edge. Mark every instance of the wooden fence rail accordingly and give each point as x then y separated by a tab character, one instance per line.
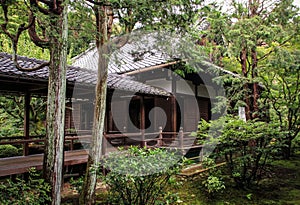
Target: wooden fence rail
20	164
155	139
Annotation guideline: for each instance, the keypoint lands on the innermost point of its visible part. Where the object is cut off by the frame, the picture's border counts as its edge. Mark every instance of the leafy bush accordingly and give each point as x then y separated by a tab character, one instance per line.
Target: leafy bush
77	183
296	144
33	192
139	175
214	182
8	151
245	146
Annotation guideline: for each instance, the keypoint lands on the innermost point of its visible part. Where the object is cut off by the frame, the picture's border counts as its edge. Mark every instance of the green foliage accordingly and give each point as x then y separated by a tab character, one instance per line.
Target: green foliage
17	14
140	175
249	196
77	183
8	151
214	182
244	41
282	83
33	192
248	27
245	146
12	115
26	47
169	198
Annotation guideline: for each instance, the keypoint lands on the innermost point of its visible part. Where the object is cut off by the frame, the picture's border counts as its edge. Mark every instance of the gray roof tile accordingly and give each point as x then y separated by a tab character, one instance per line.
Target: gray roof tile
74	75
124	60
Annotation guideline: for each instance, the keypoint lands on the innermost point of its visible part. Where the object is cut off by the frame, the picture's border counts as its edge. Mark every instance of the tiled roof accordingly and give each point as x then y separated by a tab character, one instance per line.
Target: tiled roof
74	75
138	56
124	83
128	58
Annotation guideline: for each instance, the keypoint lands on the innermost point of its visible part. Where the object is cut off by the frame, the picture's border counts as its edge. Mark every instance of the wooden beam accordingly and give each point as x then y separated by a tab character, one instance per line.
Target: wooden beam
21	164
152	67
173	114
142	119
173	106
26	121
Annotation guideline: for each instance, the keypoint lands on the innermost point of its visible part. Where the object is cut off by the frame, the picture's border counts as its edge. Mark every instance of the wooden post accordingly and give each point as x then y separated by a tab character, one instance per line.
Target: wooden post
72	145
124	138
174	115
104	144
26	122
108	116
160	137
174	106
181	138
201	153
142	121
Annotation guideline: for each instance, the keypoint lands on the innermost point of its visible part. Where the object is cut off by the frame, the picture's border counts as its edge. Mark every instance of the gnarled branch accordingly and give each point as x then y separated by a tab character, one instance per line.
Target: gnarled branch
15	38
43	43
35	4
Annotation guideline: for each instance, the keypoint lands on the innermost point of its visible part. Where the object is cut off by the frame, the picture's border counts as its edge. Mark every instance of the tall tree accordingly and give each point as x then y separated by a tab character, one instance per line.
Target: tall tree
282	85
46	22
260	39
238	36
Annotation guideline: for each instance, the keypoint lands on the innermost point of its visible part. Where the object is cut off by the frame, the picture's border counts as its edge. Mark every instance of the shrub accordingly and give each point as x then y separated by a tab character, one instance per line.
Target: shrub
214	182
77	183
139	175
245	146
8	151
33	192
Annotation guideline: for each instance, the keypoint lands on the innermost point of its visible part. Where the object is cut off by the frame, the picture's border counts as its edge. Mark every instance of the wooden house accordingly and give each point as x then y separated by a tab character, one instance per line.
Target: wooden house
189	98
146	101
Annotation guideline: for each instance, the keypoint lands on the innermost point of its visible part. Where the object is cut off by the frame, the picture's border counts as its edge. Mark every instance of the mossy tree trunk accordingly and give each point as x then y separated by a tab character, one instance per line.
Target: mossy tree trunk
88	192
53	157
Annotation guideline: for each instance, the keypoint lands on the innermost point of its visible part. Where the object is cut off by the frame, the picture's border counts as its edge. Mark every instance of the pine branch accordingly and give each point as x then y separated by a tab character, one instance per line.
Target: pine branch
271	51
35	4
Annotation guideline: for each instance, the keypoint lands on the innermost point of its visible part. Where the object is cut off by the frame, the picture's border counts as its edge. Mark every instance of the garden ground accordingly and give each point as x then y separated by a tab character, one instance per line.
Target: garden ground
280	186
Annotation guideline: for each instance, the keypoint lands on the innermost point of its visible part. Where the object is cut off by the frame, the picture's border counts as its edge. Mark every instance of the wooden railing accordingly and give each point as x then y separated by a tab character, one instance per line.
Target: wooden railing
69	139
180	140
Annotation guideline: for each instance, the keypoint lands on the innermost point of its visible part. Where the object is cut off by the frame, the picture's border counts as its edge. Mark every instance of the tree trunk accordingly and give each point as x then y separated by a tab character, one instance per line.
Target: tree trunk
87	195
88	191
255	89
53	157
288	148
243	57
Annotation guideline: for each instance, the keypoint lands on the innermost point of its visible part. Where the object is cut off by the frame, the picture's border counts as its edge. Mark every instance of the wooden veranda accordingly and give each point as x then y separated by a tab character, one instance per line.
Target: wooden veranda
181	141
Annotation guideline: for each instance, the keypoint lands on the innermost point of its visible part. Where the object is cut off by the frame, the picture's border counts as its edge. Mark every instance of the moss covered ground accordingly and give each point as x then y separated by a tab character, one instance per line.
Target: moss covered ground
279	186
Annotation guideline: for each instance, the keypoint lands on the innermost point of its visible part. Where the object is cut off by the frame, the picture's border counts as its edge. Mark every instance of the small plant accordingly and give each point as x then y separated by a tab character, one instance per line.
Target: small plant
168	198
249	196
33	192
77	183
8	151
214	182
140	175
